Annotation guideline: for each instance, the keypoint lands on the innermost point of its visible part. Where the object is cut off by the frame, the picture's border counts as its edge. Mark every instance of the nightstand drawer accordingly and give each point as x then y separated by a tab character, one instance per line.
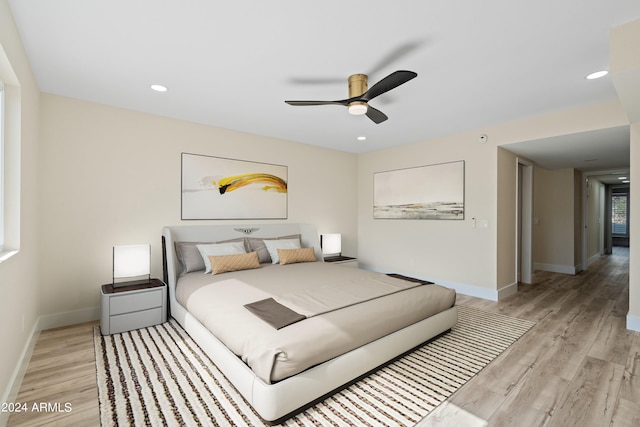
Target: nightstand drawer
135	302
136	320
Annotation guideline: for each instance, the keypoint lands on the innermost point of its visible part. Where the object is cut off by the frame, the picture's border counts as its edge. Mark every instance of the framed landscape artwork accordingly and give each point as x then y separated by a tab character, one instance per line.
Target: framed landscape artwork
425	192
220	188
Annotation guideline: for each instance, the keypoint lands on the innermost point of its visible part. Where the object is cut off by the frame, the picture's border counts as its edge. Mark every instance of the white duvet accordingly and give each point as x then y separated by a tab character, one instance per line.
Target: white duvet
217	301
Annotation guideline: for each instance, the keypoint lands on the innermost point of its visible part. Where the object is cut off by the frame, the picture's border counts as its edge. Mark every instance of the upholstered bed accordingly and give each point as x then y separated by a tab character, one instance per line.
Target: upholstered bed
288	332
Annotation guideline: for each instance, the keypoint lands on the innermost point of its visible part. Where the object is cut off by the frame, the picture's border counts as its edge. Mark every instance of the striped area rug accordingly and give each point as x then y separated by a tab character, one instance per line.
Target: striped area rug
158	376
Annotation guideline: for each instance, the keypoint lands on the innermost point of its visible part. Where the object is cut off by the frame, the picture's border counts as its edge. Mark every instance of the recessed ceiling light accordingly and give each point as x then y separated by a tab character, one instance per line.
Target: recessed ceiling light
159	88
622	177
362	138
597	75
626	181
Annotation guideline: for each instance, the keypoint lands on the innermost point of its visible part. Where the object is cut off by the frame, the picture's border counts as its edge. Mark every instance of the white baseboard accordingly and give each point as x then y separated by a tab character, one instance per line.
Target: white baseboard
58	320
633	323
507	291
13	388
472	291
556	268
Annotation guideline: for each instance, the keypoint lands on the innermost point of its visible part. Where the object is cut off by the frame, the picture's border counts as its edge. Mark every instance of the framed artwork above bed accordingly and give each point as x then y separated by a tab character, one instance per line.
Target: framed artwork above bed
221	188
424	192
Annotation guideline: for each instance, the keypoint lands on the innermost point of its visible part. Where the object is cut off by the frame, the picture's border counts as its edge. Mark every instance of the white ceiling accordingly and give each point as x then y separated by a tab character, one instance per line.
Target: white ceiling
232	64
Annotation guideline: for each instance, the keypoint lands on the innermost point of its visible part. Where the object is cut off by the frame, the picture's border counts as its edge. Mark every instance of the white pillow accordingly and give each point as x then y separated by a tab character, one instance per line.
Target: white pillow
218	249
274	245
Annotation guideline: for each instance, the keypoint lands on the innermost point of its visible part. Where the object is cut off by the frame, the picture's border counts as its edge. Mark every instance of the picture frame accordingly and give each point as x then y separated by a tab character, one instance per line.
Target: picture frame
424	192
221	188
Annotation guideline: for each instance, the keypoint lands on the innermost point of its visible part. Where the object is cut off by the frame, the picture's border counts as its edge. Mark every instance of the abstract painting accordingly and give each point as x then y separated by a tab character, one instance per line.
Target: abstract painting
425	192
220	188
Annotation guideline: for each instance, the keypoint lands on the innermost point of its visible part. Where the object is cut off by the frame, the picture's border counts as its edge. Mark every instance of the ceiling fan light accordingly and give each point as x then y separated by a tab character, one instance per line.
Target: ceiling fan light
358	108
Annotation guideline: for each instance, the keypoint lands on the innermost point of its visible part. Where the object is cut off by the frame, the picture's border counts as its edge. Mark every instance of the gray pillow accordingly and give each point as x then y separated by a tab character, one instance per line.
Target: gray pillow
257	245
190	258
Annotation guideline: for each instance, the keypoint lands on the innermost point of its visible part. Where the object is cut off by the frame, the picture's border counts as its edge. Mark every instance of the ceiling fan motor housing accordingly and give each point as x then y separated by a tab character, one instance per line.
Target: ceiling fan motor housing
357	86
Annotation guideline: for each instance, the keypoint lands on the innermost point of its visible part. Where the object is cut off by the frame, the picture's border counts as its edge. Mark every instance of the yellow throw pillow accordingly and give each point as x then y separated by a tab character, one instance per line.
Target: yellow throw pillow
291	256
234	262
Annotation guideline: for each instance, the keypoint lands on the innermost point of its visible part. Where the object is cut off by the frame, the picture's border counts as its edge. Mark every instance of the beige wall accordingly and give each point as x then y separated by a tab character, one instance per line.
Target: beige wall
447	251
554	209
19	274
473	260
112	177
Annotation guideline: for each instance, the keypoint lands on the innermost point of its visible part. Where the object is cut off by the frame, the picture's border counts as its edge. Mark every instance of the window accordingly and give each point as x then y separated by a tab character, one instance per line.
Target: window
10	126
1	167
619	214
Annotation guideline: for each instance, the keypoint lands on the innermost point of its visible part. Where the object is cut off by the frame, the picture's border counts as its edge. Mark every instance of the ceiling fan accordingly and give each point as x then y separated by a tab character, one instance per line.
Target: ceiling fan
359	95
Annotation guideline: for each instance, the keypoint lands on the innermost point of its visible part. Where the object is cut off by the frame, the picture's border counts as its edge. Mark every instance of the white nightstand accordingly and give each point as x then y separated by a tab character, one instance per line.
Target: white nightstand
343	260
134	306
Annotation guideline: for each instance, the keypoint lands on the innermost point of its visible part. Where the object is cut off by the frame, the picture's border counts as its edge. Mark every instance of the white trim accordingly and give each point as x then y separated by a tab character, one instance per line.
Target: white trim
15	382
6	255
507	291
524	221
633	323
556	268
58	320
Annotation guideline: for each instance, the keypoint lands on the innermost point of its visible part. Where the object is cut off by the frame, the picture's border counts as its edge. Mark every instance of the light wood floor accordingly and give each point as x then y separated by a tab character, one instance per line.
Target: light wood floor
578	366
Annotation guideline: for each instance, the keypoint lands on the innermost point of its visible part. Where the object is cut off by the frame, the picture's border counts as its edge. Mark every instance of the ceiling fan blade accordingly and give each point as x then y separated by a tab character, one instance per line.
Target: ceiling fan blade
303	103
392	81
376	115
395	56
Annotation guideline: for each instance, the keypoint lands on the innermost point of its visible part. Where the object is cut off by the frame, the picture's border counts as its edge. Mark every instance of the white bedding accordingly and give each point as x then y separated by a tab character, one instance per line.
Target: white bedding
217	301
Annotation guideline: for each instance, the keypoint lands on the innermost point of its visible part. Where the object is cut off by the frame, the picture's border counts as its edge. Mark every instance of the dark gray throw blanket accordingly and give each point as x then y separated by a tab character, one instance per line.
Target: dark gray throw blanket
274	313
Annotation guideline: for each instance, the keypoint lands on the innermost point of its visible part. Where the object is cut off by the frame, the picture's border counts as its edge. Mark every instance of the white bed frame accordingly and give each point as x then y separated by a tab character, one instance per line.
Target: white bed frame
276	402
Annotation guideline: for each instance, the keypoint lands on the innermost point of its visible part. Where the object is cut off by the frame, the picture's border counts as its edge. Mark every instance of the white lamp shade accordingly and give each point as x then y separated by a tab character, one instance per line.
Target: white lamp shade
331	244
131	261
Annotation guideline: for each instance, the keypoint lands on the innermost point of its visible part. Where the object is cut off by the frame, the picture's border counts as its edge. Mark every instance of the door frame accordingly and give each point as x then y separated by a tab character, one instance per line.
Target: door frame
524	221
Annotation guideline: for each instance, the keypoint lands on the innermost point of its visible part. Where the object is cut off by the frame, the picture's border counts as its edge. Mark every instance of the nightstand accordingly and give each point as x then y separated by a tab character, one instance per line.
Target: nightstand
343	260
132	306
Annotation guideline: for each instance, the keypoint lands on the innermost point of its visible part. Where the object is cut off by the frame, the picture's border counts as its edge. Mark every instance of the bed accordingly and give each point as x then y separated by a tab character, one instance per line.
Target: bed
269	353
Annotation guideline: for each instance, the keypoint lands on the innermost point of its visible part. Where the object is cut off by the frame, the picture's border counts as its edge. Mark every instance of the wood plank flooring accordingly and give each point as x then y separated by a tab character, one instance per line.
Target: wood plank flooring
578	366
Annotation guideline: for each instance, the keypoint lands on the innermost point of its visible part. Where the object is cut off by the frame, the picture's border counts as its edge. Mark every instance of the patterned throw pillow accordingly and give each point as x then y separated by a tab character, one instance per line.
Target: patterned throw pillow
292	256
235	262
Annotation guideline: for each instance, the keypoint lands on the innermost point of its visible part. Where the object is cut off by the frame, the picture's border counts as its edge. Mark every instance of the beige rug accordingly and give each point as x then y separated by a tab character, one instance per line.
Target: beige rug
158	376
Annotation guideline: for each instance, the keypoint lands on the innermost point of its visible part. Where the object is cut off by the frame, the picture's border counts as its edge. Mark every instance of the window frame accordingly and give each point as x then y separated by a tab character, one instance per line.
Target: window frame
2	168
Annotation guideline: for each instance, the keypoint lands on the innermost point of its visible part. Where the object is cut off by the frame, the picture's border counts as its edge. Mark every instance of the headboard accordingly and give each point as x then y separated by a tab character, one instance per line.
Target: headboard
215	233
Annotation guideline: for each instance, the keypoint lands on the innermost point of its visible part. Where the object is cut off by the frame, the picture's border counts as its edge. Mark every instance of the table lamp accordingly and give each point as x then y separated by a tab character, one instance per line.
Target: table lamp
131	262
